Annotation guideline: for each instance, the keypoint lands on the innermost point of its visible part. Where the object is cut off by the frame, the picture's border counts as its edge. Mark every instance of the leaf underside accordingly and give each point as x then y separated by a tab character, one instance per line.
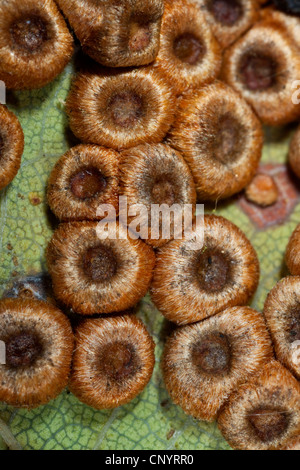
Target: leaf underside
151	421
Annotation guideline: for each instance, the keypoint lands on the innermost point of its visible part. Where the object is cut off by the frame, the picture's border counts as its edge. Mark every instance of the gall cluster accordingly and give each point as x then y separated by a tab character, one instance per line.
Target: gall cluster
169	109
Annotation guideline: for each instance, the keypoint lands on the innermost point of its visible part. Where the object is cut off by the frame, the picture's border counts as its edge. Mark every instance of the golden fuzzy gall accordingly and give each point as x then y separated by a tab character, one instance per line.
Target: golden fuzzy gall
114	33
11	146
290	23
262	66
156	174
283	318
85	177
264	414
292	255
229	19
191	285
221	139
205	362
121	109
262	191
189	55
113	361
39	347
94	276
294	153
35	43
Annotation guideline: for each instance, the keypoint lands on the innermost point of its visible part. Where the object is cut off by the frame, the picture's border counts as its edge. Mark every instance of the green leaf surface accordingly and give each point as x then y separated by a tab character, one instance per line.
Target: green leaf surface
151	421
